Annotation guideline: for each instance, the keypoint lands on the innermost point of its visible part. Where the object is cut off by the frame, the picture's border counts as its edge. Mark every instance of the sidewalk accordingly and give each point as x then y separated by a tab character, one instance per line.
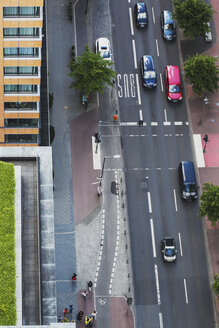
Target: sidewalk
209	124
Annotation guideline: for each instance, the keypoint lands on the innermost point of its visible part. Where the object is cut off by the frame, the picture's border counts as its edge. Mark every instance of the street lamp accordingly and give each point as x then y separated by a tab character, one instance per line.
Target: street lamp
99	188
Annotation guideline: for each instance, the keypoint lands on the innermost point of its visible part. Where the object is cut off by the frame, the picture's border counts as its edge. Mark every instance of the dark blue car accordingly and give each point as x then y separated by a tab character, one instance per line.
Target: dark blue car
167	25
141	15
149	77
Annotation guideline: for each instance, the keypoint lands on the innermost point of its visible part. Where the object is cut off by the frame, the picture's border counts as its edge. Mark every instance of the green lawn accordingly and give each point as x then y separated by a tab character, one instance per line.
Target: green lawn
8	314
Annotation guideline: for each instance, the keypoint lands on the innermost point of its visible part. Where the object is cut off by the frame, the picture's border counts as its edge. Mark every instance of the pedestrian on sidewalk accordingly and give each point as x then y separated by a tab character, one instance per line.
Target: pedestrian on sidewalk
70	308
74	276
80	315
60	318
93	314
65	311
90	284
88	321
84	293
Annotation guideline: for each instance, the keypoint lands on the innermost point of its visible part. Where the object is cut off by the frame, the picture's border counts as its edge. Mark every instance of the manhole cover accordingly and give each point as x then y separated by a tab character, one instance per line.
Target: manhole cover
144	185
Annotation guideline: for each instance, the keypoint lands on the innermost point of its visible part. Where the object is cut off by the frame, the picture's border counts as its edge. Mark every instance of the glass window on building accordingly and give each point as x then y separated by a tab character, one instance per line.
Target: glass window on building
21	11
21	123
20	106
25	52
22	70
22	32
20	88
20	138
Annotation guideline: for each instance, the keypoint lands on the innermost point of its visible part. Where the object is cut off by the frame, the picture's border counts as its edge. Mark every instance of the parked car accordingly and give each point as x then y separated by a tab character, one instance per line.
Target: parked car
103	47
187	180
141	15
173	83
167	25
168	249
148	74
208	35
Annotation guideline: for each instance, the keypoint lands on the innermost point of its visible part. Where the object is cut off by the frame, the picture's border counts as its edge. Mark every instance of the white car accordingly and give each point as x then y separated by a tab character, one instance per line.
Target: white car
103	47
208	35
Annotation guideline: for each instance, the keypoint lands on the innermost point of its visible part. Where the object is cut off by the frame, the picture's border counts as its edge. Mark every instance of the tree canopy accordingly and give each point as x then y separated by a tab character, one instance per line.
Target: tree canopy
90	72
202	72
210	203
192	16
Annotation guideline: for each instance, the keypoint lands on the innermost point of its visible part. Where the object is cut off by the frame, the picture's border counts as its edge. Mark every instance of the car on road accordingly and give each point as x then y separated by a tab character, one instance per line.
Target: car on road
173	83
187	180
208	35
167	25
141	14
148	73
168	249
103	47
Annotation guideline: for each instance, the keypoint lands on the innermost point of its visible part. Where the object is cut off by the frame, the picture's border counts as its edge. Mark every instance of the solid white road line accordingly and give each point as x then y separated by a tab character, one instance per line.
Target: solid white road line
153	14
175	201
165	115
138	90
161	320
198	150
161	82
153	238
149	202
186	295
134	53
157	284
131	21
158	54
180	244
140	115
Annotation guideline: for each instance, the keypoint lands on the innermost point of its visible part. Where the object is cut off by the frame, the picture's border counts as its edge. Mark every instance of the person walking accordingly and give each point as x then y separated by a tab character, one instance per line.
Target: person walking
93	314
88	321
65	311
70	309
90	284
84	293
74	276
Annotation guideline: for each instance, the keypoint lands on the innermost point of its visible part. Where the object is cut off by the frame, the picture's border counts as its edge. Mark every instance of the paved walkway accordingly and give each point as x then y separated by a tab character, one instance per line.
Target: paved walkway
205	120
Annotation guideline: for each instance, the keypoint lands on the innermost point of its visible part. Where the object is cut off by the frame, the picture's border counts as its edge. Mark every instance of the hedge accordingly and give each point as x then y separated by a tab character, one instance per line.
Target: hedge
8	315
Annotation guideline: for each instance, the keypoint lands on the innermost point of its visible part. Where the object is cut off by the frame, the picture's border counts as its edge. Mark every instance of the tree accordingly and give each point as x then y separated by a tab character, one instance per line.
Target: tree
202	72
90	72
215	285
210	203
193	16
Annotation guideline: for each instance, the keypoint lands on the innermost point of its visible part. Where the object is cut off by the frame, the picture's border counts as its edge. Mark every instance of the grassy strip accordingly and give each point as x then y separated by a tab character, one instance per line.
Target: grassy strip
8	314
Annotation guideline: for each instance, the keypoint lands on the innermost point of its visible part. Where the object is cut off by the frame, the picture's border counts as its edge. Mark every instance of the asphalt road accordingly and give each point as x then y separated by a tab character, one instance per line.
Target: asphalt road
166	295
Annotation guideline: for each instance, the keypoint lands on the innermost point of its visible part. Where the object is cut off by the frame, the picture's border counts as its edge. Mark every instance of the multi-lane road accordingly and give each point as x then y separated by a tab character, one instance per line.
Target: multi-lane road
165	295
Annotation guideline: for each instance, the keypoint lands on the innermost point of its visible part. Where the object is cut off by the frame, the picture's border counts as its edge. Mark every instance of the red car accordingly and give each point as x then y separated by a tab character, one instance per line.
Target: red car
173	84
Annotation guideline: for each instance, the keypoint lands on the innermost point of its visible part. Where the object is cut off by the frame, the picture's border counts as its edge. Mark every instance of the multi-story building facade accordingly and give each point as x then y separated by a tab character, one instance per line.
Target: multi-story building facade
21	24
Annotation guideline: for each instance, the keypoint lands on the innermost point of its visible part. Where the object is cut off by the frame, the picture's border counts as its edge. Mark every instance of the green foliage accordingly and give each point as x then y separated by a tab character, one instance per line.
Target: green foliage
52	133
193	16
7	246
215	285
210	203
202	72
90	72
